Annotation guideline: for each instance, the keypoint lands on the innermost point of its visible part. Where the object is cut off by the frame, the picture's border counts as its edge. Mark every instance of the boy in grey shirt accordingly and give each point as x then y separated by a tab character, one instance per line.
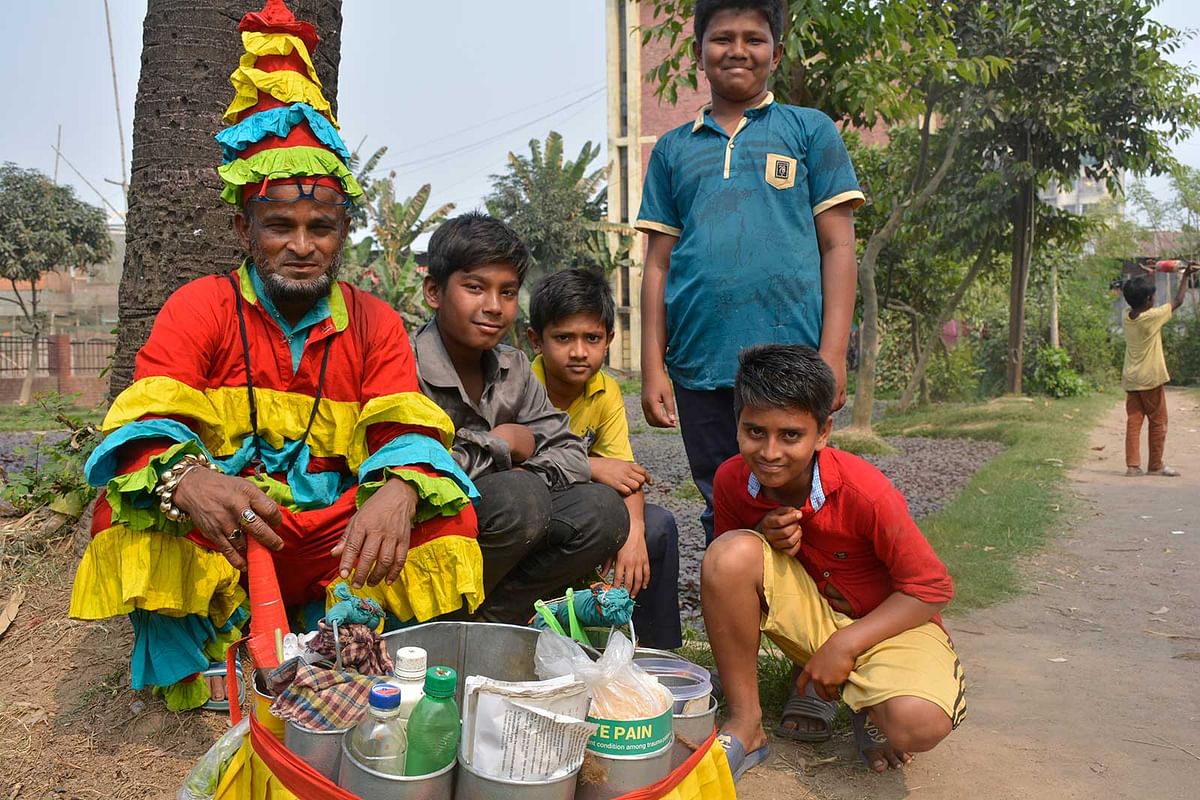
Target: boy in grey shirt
542	522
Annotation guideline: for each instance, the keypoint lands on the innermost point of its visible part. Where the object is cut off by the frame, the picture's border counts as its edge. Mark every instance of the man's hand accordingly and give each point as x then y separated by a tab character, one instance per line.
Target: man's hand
624	476
828	669
520	440
837	363
378	535
632	563
781	526
658	401
216	502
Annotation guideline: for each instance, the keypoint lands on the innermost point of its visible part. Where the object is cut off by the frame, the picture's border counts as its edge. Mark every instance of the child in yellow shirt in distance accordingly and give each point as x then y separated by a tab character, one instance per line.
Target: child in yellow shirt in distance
571	316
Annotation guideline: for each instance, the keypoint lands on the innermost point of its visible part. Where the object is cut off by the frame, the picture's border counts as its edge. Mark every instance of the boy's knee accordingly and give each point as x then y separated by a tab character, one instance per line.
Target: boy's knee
732	555
915	725
597	517
515	502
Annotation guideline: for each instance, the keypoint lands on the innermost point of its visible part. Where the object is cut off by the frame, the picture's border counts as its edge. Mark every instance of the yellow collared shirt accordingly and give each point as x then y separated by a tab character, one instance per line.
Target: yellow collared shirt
597	416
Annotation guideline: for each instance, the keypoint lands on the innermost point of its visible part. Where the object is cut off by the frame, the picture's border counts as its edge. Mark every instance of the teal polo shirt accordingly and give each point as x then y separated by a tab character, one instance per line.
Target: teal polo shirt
746	269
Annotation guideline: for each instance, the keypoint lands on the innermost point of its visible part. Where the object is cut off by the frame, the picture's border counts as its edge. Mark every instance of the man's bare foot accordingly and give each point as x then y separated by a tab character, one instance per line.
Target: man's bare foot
884	758
873	746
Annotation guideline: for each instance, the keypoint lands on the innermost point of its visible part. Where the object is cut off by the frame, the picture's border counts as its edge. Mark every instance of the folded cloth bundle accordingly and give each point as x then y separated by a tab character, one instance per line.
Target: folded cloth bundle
362	648
319	699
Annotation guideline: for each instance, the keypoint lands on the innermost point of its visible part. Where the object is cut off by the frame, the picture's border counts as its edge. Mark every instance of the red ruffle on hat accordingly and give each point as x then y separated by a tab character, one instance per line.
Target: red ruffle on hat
275	17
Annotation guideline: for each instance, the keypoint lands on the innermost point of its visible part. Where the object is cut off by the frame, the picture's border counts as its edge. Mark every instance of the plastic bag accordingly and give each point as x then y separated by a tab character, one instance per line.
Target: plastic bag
201	783
620	689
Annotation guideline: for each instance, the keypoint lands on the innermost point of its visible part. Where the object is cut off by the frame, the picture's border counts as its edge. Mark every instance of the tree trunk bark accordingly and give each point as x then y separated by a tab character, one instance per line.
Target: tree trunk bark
31	372
177	227
1022	251
1054	303
868	338
918	376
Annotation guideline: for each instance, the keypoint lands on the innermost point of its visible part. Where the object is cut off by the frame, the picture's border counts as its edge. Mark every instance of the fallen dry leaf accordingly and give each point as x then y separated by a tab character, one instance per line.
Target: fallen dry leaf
1101	447
10	609
1160	611
1059	660
1190	655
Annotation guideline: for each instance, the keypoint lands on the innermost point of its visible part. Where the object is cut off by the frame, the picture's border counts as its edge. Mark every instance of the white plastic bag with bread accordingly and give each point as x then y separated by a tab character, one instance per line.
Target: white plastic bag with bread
621	690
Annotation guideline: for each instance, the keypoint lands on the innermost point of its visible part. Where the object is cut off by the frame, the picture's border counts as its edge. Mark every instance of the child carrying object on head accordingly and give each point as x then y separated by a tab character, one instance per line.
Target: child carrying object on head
1144	375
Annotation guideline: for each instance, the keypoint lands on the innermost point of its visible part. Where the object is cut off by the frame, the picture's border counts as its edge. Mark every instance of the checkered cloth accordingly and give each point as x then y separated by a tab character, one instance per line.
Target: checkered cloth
319	699
362	648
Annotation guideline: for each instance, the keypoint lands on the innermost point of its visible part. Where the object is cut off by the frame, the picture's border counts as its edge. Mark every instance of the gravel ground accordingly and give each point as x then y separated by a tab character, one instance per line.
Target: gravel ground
929	472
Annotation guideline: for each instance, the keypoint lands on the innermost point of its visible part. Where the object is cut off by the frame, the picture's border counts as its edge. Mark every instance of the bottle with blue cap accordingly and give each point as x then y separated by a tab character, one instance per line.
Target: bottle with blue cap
379	742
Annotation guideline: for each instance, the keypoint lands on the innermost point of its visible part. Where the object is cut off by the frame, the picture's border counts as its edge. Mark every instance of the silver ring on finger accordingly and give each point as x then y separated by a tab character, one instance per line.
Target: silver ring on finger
248	515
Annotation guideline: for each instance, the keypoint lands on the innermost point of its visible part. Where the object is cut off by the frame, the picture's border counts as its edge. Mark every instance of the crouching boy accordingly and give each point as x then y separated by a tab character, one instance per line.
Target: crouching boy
571	316
542	523
818	551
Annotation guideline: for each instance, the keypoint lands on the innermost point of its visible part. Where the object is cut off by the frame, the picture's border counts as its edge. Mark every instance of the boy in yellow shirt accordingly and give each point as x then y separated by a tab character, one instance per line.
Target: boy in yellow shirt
1145	372
571	317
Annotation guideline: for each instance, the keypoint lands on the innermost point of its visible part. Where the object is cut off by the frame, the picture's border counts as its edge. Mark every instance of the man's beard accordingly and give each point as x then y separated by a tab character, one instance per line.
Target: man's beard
286	291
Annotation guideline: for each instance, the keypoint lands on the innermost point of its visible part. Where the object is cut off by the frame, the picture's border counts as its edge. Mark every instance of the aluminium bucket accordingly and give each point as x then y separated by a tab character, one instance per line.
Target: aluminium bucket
321	750
262	707
606	776
372	785
472	785
696	727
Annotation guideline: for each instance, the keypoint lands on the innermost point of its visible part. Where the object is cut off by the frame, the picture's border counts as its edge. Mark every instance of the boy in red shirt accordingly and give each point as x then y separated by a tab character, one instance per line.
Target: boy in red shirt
817	550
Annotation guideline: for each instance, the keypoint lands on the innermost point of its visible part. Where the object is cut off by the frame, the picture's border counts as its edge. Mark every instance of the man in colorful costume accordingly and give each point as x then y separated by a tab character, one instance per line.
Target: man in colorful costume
273	403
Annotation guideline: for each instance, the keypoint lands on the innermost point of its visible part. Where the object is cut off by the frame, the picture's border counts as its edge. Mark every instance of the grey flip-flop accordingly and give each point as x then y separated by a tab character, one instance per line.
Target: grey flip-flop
811	707
735	753
867	736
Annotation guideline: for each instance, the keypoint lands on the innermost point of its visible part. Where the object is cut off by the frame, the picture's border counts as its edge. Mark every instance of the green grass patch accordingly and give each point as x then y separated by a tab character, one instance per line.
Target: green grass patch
1010	505
860	443
688	491
630	387
44	416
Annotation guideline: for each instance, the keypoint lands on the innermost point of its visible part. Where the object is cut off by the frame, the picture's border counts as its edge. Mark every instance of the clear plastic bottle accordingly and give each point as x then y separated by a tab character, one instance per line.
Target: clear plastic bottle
379	741
409	675
434	726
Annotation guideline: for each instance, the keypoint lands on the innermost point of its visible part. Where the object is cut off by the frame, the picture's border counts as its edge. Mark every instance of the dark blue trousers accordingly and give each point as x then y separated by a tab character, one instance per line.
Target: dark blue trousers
656	613
709	437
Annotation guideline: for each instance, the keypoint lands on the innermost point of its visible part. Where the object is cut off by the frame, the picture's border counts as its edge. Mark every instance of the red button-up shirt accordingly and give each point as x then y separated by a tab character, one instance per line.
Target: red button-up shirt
857	533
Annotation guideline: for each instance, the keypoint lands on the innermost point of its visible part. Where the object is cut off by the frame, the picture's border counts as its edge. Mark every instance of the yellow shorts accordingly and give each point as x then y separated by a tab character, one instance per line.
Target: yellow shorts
919	662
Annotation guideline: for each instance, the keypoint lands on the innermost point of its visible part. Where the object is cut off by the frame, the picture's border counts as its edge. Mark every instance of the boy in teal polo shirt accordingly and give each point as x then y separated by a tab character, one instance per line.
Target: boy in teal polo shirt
748	211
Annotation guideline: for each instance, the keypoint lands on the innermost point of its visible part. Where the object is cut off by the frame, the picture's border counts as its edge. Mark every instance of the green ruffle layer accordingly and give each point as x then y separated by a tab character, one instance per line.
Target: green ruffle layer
285	162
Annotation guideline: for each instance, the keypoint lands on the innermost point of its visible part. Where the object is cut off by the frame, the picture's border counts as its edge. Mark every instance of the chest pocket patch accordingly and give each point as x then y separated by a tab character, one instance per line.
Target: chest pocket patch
781	171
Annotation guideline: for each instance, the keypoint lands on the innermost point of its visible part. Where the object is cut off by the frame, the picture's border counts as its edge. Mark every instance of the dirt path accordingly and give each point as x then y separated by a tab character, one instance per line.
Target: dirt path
1077	688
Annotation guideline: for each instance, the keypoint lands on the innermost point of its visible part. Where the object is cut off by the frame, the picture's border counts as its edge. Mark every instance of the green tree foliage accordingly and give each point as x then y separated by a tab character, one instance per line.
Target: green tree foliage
555	204
1091	88
43	228
383	263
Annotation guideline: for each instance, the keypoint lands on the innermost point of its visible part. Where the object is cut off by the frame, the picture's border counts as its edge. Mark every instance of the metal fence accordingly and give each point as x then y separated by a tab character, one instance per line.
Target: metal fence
88	357
15	353
91	356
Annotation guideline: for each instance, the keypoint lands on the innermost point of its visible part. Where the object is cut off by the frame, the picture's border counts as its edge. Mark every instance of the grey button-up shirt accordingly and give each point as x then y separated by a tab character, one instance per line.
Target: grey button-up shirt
511	393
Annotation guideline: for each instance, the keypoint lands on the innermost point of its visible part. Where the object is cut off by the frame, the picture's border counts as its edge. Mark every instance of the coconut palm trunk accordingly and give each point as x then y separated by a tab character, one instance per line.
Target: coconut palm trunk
177	227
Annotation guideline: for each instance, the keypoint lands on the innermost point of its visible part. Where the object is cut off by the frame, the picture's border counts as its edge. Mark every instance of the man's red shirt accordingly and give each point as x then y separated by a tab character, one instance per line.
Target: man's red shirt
857	532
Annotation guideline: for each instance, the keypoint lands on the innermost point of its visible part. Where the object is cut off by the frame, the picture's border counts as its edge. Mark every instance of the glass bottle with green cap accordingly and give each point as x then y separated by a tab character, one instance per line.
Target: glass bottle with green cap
434	727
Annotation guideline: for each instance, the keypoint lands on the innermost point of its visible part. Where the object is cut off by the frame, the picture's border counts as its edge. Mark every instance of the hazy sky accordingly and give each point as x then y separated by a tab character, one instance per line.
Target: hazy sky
450	87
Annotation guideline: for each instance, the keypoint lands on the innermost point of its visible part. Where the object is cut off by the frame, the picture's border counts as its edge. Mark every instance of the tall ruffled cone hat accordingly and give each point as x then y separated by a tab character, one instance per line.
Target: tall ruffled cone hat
280	124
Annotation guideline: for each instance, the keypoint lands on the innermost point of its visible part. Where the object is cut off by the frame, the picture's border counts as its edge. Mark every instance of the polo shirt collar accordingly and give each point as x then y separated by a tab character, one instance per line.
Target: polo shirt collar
437	369
702	114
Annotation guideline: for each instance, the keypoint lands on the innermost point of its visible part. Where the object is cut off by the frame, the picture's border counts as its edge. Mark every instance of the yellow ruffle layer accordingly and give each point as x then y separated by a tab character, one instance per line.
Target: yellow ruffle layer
406	408
284	85
258	44
437	577
122	570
